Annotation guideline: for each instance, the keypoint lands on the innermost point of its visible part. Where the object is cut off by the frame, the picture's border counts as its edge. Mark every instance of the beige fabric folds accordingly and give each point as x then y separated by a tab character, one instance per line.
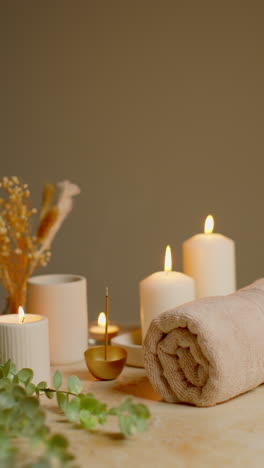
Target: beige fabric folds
210	350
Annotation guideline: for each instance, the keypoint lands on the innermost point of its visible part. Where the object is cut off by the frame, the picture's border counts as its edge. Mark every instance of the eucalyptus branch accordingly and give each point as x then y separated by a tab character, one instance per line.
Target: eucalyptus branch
22	417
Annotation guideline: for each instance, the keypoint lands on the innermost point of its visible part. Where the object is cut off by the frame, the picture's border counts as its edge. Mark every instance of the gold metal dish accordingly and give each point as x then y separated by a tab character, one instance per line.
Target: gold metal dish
105	369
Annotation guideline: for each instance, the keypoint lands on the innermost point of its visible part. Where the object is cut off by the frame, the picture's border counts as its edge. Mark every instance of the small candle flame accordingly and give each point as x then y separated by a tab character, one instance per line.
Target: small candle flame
21	314
209	224
168	261
101	319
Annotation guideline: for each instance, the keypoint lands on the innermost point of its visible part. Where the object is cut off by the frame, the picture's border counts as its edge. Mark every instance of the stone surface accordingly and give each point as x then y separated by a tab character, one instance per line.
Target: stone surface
229	435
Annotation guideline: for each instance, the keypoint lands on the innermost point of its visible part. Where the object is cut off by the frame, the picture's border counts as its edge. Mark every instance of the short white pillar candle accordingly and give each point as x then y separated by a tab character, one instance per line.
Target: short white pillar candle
25	340
162	291
209	258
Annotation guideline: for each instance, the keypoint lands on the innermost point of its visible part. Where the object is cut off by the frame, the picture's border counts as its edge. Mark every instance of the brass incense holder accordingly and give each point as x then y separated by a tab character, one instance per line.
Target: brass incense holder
105	369
105	362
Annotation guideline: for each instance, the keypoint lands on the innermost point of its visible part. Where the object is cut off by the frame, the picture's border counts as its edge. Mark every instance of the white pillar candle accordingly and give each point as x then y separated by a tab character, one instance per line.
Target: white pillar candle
26	342
162	291
210	259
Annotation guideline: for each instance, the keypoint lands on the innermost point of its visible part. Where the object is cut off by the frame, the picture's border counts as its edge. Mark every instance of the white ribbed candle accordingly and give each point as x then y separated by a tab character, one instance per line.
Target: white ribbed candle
26	344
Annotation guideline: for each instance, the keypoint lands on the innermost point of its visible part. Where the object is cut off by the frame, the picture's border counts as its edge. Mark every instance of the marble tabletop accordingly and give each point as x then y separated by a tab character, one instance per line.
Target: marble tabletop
229	435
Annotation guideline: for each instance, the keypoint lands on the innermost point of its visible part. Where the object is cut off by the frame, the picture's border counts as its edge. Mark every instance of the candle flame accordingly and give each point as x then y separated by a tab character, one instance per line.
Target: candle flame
101	319
209	224
168	261
21	314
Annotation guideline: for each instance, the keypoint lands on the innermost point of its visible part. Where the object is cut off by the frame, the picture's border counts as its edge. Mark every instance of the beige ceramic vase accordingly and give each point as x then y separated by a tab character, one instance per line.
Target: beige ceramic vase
63	300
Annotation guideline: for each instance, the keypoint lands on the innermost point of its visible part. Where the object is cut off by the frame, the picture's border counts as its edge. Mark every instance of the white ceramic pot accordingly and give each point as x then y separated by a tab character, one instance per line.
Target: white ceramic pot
63	300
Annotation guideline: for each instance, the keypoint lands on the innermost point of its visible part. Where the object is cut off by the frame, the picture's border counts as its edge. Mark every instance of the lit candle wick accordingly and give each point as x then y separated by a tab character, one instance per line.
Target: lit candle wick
21	315
168	260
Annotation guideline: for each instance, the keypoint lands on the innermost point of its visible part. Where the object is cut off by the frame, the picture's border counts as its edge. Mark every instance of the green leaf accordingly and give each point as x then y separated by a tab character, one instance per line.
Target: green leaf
39	421
4	383
40	435
30	388
126	425
25	375
57	380
18	392
30	406
12	369
6	368
142	411
102	418
58	441
72	409
6	400
89	403
49	394
88	420
126	405
15	379
61	399
4	442
42	385
74	384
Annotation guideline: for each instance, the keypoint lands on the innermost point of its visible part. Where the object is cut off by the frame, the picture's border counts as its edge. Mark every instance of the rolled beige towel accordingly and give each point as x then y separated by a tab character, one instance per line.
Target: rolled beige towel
210	350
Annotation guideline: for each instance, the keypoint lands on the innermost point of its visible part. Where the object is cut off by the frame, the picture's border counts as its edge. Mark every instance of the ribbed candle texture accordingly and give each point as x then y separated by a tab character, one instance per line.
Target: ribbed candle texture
26	344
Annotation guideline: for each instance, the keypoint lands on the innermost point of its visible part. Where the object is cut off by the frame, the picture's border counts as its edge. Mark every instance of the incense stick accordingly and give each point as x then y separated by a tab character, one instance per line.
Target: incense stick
106	322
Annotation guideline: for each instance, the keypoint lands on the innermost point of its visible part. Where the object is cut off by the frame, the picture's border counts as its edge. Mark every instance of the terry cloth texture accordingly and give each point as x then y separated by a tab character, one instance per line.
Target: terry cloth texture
210	350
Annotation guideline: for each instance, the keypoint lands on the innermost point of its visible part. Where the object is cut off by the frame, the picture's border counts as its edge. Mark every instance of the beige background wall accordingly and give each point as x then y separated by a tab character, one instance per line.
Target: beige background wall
156	110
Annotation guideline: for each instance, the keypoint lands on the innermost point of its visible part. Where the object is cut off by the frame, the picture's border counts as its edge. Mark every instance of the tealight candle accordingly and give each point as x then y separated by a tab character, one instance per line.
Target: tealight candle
162	291
24	339
209	258
97	331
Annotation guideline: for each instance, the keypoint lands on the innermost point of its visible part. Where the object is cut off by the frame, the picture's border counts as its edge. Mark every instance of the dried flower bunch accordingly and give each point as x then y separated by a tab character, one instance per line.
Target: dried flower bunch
22	252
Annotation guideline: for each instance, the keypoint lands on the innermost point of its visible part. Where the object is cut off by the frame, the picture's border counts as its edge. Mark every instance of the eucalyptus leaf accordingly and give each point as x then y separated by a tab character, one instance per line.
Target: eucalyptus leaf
59	440
12	369
6	368
142	411
5	383
126	424
15	379
30	388
88	420
49	394
74	385
61	399
57	380
126	405
89	403
25	375
72	409
42	385
30	406
6	400
18	392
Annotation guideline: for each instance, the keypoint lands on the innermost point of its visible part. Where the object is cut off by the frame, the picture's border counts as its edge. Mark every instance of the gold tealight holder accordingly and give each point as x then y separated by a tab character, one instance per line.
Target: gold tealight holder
105	362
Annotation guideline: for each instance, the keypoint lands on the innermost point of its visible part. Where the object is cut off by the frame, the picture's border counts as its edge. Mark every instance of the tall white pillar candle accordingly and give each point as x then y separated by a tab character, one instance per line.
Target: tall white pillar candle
26	343
209	258
162	291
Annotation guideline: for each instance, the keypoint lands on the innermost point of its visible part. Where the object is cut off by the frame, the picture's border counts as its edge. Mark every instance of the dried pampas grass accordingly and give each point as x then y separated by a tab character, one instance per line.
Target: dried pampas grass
21	252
